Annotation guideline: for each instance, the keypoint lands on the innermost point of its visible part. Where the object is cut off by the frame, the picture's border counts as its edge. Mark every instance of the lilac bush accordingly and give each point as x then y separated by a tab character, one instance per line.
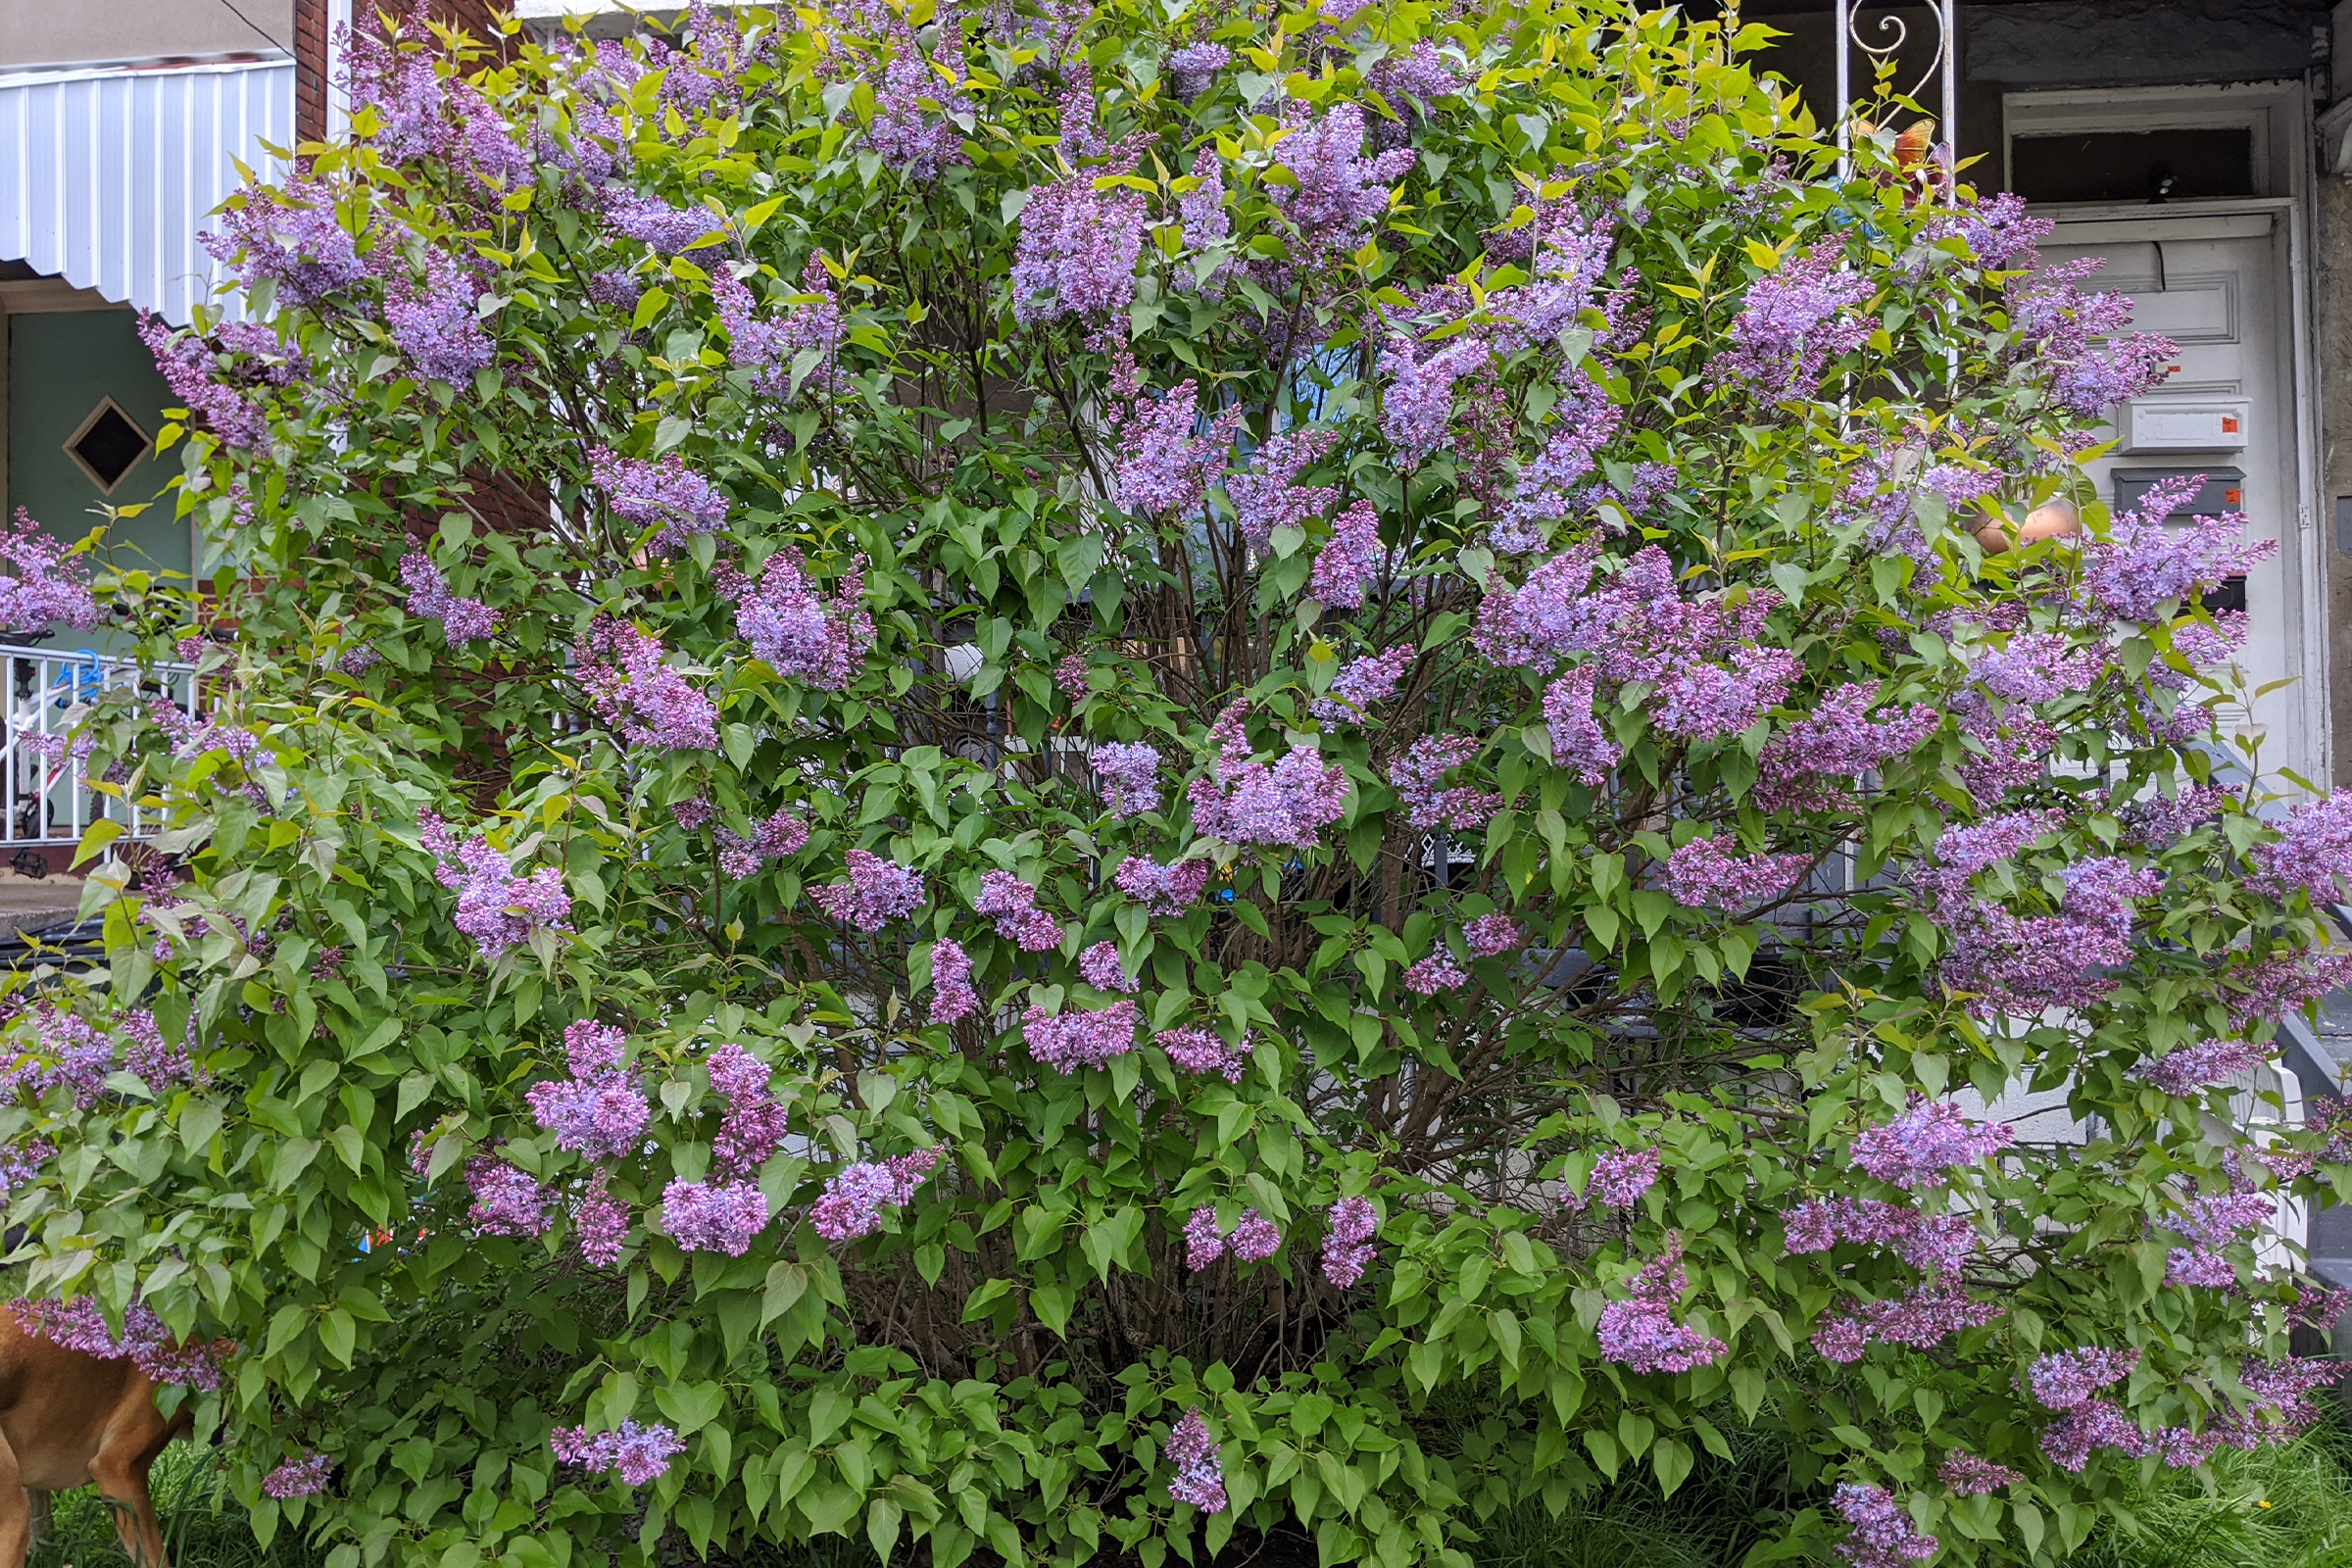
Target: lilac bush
1068	784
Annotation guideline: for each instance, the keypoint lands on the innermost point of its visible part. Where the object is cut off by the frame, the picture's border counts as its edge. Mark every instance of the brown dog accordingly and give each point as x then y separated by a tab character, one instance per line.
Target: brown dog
67	1420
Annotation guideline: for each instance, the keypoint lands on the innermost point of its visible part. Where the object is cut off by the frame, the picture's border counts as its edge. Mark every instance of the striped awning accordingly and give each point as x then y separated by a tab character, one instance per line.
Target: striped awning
106	175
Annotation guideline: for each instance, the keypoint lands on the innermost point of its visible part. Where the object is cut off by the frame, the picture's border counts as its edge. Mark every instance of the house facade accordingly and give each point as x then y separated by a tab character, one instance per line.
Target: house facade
2201	151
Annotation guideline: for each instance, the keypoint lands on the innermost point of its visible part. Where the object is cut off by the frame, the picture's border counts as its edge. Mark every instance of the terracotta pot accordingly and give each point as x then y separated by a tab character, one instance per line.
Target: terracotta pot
1911	147
2052	520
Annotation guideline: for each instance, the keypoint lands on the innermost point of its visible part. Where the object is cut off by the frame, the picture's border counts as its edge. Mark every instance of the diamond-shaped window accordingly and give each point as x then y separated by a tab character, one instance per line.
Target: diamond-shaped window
106	446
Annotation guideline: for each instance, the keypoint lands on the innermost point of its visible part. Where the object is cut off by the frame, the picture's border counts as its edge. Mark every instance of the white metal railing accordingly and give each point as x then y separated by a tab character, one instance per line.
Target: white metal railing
45	795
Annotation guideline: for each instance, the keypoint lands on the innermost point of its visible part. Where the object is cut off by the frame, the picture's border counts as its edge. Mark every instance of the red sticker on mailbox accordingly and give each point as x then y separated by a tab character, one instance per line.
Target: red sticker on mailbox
2228	424
2232	498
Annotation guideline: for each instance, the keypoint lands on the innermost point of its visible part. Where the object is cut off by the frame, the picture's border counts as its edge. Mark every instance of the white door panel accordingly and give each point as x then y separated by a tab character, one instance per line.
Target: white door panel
2225	302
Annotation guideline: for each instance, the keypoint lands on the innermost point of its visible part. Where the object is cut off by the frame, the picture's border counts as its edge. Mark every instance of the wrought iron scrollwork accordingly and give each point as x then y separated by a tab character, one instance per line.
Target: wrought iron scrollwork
1876	33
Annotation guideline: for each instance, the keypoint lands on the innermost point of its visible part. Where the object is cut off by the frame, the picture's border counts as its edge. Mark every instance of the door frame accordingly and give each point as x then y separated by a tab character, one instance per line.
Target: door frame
2278	114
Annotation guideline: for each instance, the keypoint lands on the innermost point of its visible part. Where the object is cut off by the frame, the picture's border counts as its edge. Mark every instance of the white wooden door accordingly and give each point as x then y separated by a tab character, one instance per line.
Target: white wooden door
2219	287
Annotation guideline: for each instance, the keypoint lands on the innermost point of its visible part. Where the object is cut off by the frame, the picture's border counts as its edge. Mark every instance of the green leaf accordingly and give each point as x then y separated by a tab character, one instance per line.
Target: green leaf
1672	1459
692	1405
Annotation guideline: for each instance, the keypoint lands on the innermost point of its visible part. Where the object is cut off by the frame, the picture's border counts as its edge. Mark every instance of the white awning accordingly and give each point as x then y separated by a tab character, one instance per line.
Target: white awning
107	176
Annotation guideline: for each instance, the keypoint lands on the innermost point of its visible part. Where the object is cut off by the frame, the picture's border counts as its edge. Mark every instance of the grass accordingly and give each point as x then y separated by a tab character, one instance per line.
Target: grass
202	1528
2284	1506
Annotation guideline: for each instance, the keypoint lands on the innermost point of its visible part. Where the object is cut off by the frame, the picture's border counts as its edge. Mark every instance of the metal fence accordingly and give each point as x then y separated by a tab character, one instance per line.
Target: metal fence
46	798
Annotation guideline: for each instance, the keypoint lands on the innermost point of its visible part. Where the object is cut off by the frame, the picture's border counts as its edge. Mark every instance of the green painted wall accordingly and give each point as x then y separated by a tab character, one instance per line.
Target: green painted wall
59	365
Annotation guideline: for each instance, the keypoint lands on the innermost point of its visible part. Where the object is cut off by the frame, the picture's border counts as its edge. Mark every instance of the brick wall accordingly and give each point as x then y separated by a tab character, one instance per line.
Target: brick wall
310	69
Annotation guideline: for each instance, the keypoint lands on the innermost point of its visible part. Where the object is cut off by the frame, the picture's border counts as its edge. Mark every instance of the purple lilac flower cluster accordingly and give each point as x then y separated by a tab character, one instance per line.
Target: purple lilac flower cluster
713	1216
2075	344
433	321
913	127
2190	1068
1362	684
1921	1146
1246	802
1584	421
192	738
1167	890
1268	495
1704	875
79	1325
768	348
1012	904
1168	453
1066	1042
1835	745
951	995
19	1162
495	907
304	1477
877	893
1425	977
2211	1223
667	496
1935	1242
1350	561
1252	1240
1715	702
1196	65
1622	1175
1578	743
2313	852
2038	667
1206	222
755	1123
1419	778
801	634
775	837
1077	250
1491	936
1347	1249
149	1058
1417	399
600	1227
652	220
2286	982
69	1050
1970	1476
1200	1479
290	238
640	1454
1641	628
1336	189
644	701
853	1202
1920	1319
1419	72
2067	1380
598	1113
1883	1535
463	621
1129	774
1102	968
1204	1051
2145	562
1795	322
190	368
1640	1333
505	1201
